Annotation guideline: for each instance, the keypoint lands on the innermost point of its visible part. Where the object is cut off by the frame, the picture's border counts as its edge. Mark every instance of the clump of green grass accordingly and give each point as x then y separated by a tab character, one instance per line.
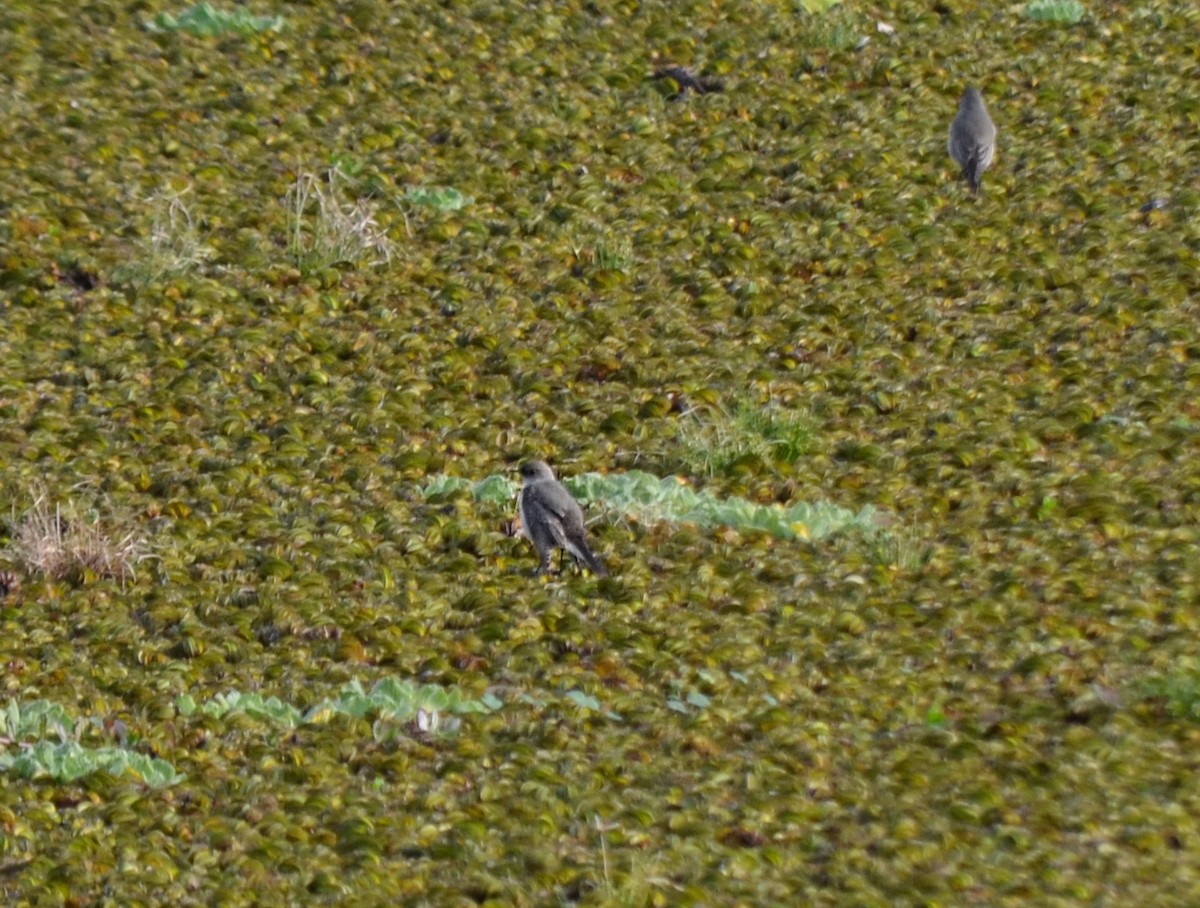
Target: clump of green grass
647	881
1180	691
712	446
614	256
207	21
325	230
902	550
70	542
172	247
833	27
605	255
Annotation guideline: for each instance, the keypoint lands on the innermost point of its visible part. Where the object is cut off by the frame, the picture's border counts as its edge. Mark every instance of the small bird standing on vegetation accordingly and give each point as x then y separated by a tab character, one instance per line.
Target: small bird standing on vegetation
685	81
972	140
551	518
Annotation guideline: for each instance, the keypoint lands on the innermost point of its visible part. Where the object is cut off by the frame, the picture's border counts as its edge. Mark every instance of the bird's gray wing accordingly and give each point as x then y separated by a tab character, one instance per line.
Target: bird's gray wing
554	499
547	511
566	523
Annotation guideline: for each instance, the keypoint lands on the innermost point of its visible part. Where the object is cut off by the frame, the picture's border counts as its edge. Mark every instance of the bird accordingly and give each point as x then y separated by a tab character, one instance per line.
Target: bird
972	141
551	518
685	80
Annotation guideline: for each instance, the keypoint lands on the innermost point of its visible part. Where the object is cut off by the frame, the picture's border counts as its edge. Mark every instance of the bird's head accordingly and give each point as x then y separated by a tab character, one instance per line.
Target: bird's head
534	470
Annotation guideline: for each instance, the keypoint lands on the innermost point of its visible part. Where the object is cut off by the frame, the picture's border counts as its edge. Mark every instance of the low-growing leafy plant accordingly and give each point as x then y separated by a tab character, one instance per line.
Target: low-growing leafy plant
648	498
1065	11
253	705
390	700
347	165
935	716
439	198
25	728
207	21
325	230
33	719
583	701
69	761
689	702
443	199
495	489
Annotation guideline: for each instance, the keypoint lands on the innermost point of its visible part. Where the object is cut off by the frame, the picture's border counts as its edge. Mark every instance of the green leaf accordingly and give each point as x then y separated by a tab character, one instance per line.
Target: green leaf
582	700
440	198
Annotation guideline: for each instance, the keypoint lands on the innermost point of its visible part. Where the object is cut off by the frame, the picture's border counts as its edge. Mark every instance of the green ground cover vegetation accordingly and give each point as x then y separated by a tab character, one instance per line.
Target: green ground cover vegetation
288	291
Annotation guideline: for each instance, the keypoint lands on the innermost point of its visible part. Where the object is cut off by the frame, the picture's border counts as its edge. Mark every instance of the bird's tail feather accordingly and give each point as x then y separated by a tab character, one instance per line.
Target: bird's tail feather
585	556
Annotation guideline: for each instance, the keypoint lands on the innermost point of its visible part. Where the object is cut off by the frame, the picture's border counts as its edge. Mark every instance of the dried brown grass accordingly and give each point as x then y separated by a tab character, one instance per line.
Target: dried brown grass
68	541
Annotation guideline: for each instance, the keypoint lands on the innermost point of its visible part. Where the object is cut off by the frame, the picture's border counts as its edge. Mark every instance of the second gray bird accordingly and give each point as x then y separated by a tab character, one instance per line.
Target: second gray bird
972	141
551	518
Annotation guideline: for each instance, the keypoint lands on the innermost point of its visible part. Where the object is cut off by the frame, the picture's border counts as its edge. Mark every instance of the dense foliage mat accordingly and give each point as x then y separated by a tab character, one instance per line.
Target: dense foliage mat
269	272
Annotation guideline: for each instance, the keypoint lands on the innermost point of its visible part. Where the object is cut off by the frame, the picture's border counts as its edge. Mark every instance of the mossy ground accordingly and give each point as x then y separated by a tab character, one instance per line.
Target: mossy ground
732	718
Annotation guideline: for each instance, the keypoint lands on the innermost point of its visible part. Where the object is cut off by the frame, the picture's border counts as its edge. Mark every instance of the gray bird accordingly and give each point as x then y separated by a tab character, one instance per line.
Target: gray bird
551	518
972	140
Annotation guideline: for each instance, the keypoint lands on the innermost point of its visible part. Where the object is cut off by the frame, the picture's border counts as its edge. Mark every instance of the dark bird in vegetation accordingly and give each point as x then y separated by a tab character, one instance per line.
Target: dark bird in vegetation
9	583
552	519
972	141
685	81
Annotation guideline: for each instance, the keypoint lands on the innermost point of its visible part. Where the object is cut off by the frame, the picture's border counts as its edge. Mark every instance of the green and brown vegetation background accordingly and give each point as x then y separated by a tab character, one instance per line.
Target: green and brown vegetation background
259	289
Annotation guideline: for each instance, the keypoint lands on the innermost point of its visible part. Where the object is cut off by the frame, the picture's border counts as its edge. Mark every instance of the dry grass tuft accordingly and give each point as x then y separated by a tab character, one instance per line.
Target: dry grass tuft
173	247
324	230
64	541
